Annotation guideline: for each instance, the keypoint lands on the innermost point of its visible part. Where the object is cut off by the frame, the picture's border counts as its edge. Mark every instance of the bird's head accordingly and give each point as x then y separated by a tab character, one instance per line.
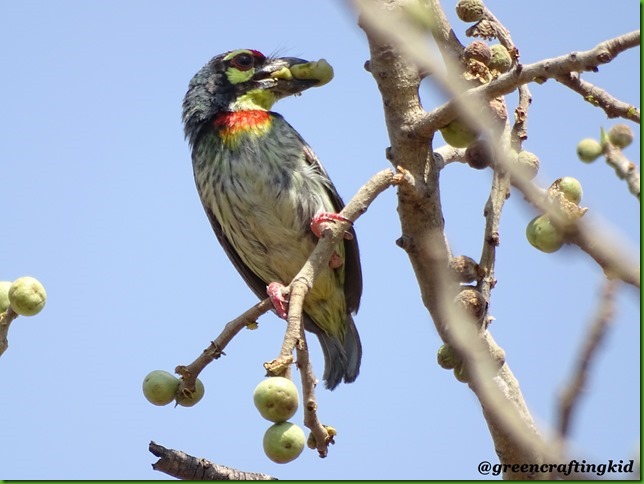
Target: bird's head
246	79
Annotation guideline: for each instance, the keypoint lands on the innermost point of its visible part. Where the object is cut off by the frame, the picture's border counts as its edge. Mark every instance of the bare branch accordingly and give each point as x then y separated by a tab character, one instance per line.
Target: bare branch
190	372
178	464
613	107
624	168
448	44
596	333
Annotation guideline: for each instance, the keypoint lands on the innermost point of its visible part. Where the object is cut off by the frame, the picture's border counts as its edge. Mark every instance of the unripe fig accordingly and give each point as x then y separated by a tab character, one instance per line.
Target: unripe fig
620	135
189	399
588	150
461	374
458	134
571	188
160	387
500	59
276	398
447	357
465	269
311	441
543	235
320	71
470	10
27	296
528	164
472	302
283	442
499	113
479	154
4	295
479	51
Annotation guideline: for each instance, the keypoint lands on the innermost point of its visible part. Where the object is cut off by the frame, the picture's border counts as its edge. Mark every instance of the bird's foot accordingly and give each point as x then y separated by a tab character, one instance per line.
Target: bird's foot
336	260
321	218
276	292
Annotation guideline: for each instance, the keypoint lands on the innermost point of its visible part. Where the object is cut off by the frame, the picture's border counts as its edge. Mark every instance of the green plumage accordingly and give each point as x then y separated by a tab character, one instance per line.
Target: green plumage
260	185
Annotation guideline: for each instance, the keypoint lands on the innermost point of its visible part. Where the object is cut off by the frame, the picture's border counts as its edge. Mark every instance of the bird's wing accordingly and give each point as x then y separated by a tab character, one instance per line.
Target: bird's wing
254	282
352	268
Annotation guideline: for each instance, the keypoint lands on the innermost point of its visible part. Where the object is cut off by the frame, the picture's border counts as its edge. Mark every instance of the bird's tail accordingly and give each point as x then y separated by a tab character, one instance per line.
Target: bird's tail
341	361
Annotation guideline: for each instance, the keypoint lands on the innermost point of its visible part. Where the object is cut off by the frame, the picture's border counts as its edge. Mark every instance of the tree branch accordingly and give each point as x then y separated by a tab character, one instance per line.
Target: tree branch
295	338
178	464
214	351
624	168
596	333
424	240
427	124
613	107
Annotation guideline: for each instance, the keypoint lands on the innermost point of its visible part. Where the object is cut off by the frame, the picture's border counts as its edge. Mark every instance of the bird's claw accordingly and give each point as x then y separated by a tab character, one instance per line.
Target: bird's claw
275	292
321	218
336	260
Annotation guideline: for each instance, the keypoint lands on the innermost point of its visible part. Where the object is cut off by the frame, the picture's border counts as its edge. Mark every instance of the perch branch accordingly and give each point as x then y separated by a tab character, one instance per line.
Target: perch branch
178	464
214	351
294	338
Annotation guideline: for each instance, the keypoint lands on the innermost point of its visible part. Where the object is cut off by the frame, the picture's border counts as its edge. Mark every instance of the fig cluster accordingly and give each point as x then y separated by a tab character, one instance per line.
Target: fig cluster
589	149
565	193
277	399
160	388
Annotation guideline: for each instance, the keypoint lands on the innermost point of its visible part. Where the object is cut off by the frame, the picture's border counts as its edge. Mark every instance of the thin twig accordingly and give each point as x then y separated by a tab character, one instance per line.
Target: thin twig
214	351
178	464
613	107
320	434
624	168
499	193
596	333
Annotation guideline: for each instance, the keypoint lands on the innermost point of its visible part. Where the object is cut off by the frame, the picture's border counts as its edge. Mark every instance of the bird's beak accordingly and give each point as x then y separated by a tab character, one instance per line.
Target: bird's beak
286	76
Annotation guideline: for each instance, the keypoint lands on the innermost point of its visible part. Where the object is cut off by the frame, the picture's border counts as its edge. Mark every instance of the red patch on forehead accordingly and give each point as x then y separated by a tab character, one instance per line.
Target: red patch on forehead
258	54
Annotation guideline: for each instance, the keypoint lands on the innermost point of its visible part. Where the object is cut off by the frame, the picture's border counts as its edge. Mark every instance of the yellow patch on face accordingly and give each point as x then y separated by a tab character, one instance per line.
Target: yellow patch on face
234	75
255	99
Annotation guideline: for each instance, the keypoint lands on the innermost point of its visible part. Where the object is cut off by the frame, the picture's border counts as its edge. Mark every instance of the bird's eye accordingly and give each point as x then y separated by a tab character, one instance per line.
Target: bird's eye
243	62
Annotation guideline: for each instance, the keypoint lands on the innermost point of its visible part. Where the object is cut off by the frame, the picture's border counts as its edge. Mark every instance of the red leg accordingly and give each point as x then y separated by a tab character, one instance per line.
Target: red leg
275	291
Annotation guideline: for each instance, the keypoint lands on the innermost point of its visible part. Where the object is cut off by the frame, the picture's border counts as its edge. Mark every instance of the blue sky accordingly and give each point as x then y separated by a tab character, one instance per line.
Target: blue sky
99	204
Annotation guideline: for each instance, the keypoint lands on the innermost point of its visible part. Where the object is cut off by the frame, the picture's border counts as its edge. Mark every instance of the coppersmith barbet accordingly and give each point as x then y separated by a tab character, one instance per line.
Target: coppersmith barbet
261	186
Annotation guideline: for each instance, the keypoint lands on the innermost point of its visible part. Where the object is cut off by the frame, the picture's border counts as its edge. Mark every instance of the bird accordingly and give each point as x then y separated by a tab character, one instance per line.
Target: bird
266	194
